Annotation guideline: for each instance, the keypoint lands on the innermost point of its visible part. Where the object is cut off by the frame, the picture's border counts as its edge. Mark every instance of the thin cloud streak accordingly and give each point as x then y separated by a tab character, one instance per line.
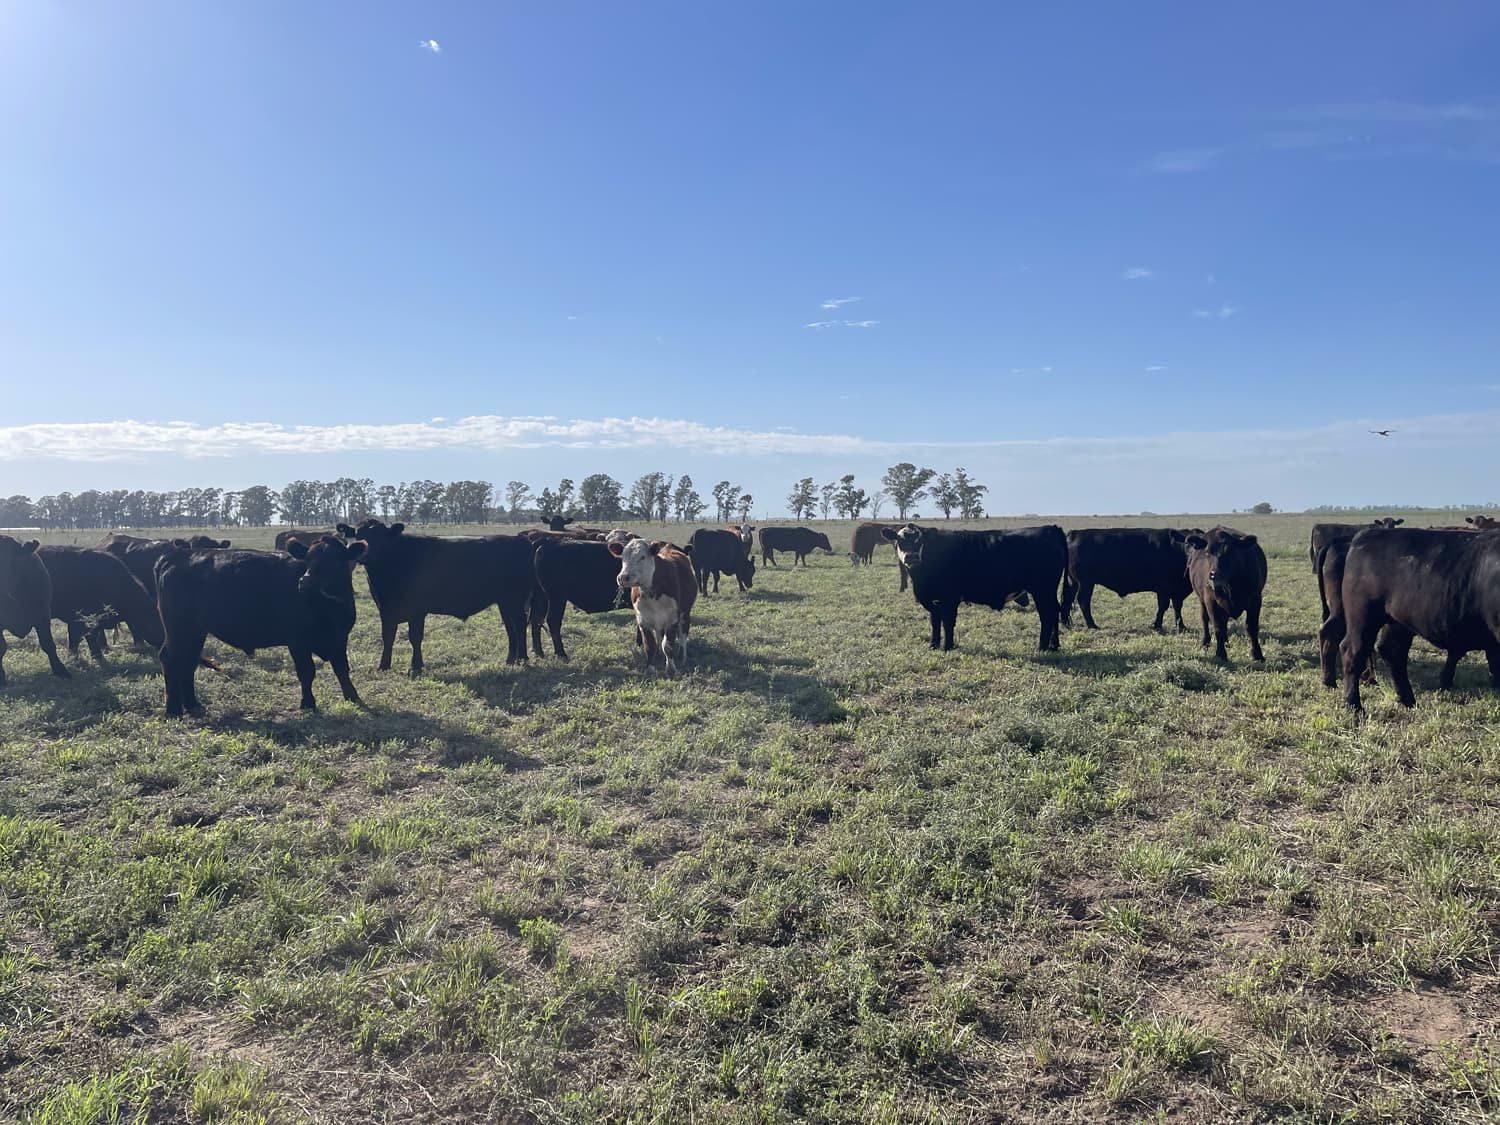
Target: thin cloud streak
1223	312
1138	274
837	302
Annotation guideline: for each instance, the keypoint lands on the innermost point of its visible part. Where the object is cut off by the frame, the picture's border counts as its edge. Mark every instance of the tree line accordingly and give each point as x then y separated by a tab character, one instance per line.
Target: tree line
653	497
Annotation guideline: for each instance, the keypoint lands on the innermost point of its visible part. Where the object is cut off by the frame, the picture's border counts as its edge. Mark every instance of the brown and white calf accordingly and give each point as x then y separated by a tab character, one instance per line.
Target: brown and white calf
663	589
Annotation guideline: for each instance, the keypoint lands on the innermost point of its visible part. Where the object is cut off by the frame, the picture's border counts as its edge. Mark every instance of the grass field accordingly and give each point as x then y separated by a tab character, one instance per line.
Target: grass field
828	875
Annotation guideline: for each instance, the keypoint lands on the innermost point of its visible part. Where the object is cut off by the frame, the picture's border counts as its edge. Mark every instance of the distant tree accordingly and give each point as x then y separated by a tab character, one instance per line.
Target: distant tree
876	501
467	501
905	484
802	500
743	506
257	505
599	497
850	501
969	494
16	511
686	503
517	496
945	495
662	502
825	498
1263	508
643	494
564	497
426	500
726	496
547	505
385	500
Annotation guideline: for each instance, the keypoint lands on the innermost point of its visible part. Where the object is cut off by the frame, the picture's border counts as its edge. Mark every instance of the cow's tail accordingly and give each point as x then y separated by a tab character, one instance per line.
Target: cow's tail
1319	561
1069	592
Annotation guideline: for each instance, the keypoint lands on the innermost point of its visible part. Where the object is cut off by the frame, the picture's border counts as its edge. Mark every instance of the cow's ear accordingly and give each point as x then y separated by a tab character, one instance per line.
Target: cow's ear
1196	542
616	548
182	544
1175	536
397	528
1249	541
223	544
355	550
296	548
29	547
688	550
1395	523
888	533
656	547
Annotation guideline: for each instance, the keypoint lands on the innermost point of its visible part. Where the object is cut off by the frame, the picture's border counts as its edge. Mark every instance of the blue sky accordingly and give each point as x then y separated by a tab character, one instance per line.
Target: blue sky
1108	257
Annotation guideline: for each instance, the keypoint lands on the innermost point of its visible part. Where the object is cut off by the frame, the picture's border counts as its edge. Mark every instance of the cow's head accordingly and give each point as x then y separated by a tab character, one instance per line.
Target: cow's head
909	540
375	534
1483	523
204	543
1388	523
823	543
345	531
619	535
745	572
557	523
1230	559
328	566
637	561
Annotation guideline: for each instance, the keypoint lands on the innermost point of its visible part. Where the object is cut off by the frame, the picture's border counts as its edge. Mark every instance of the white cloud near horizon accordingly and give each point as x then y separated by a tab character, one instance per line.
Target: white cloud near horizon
1138	274
1223	312
842	324
837	302
430	45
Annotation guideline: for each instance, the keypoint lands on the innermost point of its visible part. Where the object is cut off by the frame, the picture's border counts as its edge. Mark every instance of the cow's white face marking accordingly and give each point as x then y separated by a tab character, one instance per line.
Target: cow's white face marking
637	565
909	546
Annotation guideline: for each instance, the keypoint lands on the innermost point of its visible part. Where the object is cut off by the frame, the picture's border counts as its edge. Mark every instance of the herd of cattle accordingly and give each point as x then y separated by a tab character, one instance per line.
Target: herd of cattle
1380	586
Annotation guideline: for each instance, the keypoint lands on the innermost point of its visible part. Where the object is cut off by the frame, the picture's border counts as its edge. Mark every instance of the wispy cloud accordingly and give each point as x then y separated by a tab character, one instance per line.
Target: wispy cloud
1156	367
837	302
841	324
860	323
430	45
1138	274
1184	160
1223	312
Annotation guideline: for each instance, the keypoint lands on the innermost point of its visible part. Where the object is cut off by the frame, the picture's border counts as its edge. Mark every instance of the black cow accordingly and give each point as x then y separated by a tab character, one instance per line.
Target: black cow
799	541
716	552
1325	533
303	599
413	576
26	600
1228	571
1127	560
1443	586
139	555
91	591
579	572
1331	558
982	568
556	523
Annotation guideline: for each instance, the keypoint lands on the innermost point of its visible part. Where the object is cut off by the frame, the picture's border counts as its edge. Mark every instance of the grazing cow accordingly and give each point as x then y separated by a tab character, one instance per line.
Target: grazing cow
1228	571
26	600
715	552
582	573
982	568
1127	560
412	576
303	599
1483	523
865	538
660	580
1324	533
91	591
1408	583
798	541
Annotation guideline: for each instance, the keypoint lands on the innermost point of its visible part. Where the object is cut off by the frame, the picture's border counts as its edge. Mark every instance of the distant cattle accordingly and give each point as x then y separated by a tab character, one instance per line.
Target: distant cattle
92	591
1408	583
662	589
581	573
949	568
1127	560
798	541
26	600
414	576
863	541
718	552
1324	533
1228	571
303	599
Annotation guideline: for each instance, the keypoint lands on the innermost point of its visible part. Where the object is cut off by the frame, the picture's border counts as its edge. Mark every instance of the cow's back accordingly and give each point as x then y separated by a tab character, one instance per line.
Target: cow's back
579	572
248	599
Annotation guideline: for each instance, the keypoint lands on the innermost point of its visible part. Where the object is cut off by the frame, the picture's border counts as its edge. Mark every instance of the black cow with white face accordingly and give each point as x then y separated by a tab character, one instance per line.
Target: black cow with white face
949	568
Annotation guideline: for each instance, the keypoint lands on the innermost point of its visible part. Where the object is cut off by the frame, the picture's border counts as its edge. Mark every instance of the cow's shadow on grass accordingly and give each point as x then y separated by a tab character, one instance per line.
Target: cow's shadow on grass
776	680
759	595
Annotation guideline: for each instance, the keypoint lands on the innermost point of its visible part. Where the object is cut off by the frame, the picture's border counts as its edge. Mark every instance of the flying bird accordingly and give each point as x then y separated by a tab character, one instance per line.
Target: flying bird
1383	433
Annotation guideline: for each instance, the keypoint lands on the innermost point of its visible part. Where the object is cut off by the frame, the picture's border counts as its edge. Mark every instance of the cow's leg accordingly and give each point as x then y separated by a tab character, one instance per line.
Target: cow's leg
1177	611
668	643
905	574
936	617
1162	601
554	626
648	645
179	675
3	647
702	577
416	629
1252	627
1450	668
1361	625
1330	633
75	634
1086	603
44	642
514	618
1394	647
716	581
1221	632
1492	656
95	639
387	641
339	662
538	612
1049	611
302	660
950	619
1203	609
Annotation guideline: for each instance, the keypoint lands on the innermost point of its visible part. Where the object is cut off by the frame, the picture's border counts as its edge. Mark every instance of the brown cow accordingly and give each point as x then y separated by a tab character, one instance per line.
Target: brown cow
868	536
663	589
1483	523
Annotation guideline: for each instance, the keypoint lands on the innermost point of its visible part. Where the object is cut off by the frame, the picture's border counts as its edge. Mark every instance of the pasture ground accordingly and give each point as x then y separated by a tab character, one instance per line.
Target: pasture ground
828	875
